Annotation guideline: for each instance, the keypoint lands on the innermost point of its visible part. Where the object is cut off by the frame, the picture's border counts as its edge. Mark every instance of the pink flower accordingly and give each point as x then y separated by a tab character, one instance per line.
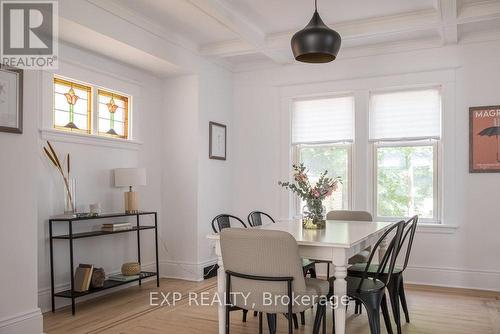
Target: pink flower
315	193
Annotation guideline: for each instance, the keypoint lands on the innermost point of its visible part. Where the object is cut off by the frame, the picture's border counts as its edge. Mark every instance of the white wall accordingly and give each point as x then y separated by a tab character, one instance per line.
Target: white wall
196	188
92	165
19	313
464	258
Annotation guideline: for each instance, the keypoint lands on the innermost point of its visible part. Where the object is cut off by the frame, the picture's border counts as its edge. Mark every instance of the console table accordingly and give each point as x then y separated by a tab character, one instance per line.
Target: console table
108	284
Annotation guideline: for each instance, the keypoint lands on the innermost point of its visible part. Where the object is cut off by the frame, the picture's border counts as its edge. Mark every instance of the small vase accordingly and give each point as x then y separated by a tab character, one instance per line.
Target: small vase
313	216
69	190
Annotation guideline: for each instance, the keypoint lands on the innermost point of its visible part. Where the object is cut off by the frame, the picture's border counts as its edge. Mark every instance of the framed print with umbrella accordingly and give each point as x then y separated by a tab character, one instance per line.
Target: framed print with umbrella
484	141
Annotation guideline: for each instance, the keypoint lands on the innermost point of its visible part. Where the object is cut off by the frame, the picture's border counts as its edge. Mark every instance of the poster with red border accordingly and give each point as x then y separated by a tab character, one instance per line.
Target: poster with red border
484	139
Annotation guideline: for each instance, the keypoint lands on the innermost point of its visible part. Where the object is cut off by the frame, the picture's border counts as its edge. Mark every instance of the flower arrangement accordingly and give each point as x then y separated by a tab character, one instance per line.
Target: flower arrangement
312	195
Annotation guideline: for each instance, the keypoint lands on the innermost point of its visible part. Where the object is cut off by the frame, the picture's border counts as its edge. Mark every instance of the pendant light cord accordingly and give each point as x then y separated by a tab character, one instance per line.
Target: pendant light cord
315	5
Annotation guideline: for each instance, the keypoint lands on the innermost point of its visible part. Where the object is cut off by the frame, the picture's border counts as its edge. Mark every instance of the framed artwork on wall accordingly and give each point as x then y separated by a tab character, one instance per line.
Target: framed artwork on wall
217	141
11	100
484	141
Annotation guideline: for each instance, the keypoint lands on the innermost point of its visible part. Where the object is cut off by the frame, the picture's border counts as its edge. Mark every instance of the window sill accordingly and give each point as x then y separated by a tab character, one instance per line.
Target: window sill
87	139
437	228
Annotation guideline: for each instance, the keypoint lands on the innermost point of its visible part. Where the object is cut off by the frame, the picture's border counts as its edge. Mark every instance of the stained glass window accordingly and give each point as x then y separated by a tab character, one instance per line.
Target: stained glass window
72	106
113	114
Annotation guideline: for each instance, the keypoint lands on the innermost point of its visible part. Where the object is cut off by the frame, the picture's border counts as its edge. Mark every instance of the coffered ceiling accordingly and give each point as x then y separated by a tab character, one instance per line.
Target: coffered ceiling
246	33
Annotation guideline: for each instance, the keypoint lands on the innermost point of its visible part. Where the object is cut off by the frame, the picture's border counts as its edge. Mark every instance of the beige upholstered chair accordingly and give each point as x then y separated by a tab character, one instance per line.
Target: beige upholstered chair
262	265
361	257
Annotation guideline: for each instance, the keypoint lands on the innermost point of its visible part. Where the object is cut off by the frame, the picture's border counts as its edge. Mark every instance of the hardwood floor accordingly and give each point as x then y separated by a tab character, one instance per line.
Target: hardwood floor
432	311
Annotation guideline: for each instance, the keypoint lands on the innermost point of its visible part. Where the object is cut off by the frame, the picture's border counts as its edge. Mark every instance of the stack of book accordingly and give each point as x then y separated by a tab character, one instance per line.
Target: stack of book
123	278
113	227
83	277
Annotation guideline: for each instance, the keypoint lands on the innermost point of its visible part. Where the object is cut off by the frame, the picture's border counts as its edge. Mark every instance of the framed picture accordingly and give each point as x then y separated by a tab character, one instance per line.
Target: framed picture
484	145
217	141
11	100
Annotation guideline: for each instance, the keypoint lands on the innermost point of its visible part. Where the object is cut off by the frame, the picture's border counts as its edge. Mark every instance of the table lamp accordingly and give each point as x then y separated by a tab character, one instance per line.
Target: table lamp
130	177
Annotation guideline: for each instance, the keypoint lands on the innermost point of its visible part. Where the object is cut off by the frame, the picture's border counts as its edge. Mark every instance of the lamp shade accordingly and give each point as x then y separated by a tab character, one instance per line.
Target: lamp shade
316	43
129	177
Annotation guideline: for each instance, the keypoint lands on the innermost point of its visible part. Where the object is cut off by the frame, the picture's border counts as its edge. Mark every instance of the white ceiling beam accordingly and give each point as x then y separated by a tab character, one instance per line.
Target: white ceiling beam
449	30
353	31
238	24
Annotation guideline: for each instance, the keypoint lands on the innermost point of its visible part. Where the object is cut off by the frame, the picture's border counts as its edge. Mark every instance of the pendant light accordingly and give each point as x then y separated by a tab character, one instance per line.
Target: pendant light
316	43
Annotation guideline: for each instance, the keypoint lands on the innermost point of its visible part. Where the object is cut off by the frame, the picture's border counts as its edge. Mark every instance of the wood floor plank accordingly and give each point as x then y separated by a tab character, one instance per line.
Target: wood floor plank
432	311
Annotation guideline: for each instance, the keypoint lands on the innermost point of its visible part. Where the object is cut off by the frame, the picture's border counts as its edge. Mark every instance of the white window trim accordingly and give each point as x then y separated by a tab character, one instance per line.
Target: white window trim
296	160
437	177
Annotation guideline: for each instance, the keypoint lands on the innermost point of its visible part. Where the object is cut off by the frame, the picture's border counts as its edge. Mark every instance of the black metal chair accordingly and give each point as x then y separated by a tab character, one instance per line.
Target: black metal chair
370	291
255	218
395	284
223	221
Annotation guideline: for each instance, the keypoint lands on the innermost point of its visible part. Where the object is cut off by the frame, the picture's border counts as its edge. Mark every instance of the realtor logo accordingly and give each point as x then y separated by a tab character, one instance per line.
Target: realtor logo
29	34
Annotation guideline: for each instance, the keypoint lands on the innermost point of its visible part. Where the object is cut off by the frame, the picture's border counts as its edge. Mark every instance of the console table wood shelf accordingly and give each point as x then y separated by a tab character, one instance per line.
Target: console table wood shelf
108	284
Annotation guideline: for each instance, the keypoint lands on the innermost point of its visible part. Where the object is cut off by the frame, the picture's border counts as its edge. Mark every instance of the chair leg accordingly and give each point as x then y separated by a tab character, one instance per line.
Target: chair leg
245	312
271	323
317	320
303	318
295	321
402	296
385	313
260	322
327	270
372	303
324	320
227	319
394	296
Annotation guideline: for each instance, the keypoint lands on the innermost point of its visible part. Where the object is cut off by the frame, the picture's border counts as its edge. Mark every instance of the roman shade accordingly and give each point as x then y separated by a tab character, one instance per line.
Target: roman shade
412	115
323	120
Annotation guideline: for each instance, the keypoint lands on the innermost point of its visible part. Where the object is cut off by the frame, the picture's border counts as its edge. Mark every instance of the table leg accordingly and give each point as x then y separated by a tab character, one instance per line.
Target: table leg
340	290
221	290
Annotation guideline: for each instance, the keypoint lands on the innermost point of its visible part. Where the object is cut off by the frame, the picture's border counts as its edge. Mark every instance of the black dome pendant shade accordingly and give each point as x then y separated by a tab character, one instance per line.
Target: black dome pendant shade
316	43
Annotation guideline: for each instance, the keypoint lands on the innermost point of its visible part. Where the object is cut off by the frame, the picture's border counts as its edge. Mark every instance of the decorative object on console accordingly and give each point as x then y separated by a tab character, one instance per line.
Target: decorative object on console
131	268
217	141
98	278
113	227
484	148
11	99
83	276
130	177
95	209
123	278
316	43
314	211
69	184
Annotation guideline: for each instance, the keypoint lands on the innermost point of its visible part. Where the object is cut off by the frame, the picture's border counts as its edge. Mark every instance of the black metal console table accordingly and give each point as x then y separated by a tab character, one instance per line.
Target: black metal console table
71	294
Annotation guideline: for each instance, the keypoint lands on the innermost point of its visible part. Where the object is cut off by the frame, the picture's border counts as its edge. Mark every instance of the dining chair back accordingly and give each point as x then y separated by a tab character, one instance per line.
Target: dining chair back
409	234
255	218
388	262
349	215
263	265
223	221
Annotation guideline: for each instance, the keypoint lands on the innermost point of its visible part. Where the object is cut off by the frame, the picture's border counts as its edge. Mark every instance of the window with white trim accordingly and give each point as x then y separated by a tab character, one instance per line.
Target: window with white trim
405	128
322	137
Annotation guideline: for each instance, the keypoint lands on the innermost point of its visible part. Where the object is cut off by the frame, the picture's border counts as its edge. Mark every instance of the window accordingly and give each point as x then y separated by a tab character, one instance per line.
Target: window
72	106
113	114
406	130
322	136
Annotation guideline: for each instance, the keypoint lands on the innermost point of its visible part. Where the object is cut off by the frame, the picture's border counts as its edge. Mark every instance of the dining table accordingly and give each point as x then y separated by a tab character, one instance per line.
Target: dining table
337	242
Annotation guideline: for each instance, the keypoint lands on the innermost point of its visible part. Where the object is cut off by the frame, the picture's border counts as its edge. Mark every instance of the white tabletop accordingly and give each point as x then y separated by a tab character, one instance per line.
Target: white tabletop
342	234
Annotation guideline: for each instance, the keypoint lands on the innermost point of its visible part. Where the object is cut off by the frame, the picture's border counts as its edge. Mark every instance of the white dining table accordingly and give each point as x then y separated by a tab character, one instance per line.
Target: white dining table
339	241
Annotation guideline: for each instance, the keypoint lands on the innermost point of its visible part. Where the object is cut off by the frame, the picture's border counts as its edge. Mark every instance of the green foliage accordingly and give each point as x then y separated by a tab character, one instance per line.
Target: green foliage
405	181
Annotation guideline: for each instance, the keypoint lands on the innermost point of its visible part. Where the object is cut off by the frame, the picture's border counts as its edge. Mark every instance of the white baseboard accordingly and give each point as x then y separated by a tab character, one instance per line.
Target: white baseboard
444	277
30	322
44	300
184	270
454	277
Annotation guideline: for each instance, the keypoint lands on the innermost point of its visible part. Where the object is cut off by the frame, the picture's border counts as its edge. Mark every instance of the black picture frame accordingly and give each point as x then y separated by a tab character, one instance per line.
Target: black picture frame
214	152
19	97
